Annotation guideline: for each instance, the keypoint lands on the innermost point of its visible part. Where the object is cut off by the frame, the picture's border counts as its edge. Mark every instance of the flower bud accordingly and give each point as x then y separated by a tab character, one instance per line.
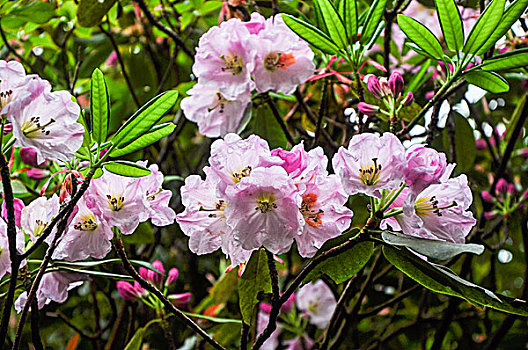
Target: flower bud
173	276
480	144
511	189
143	272
37	174
288	304
486	197
385	88
409	99
126	290
180	299
374	87
265	307
490	215
18	206
141	292
524	196
29	156
8	128
368	109
502	186
396	84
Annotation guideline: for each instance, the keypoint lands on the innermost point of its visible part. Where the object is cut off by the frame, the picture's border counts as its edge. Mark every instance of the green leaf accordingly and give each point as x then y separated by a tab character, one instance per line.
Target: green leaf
39	12
111	275
126	168
372	20
514	119
347	9
144	234
214	319
484	27
442	280
510	16
99	106
419	78
266	126
451	23
82	264
137	339
421	36
255	279
311	34
334	23
509	60
489	81
153	135
145	118
91	12
465	149
439	250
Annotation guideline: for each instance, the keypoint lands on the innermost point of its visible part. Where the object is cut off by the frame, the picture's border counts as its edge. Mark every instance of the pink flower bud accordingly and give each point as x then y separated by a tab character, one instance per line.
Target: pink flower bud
158	265
486	197
288	304
374	87
396	83
126	290
490	215
37	174
180	299
385	88
29	156
480	144
524	196
511	189
8	128
141	292
502	186
368	109
409	99
173	276
18	205
143	272
265	307
429	95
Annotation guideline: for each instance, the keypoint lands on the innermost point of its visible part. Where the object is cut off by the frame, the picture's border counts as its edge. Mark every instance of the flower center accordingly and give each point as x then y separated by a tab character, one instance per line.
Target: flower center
31	128
370	174
232	64
266	203
87	223
427	205
278	60
5	98
151	197
39	229
220	103
314	307
311	215
218	210
116	203
239	175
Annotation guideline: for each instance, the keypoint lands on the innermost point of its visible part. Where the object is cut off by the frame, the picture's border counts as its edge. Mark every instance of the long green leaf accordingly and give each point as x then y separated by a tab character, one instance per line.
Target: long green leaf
99	106
510	16
489	81
311	34
145	118
214	319
484	27
451	23
421	36
334	23
347	9
372	20
126	168
435	249
153	135
510	60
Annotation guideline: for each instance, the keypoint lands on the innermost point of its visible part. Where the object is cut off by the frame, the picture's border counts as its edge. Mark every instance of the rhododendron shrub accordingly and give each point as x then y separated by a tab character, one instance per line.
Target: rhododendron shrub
265	175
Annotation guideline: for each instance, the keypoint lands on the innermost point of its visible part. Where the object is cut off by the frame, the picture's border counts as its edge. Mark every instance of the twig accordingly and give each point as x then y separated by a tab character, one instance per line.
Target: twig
13	51
35	333
120	250
281	122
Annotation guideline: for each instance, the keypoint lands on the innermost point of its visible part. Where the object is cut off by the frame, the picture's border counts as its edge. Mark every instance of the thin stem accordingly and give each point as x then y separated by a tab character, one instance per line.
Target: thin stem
281	122
35	333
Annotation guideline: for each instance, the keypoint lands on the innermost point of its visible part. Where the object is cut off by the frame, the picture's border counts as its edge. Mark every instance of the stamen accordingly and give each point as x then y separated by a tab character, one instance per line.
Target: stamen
266	203
32	126
87	223
237	176
116	203
233	64
370	174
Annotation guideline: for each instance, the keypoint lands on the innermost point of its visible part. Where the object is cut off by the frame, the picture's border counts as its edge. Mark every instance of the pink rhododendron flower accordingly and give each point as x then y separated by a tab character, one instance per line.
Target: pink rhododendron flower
300	343
215	114
88	235
18	205
49	121
256	23
263	210
29	156
172	276
225	55
180	300
53	287
295	161
425	166
317	301
272	343
120	200
157	199
370	163
35	217
283	59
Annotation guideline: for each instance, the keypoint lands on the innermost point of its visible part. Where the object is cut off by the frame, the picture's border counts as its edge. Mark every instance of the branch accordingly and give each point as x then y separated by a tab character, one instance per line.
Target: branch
281	122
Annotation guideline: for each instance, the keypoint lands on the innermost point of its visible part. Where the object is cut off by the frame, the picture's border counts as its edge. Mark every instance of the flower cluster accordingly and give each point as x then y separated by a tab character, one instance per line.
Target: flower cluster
237	57
134	291
314	303
253	197
505	201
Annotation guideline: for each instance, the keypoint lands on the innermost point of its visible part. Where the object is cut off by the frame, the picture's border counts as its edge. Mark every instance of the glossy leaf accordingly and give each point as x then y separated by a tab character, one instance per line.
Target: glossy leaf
334	23
91	12
145	118
484	27
99	106
255	280
488	81
311	34
510	60
347	9
465	148
435	249
451	23
126	168
153	135
510	16
421	36
372	20
266	126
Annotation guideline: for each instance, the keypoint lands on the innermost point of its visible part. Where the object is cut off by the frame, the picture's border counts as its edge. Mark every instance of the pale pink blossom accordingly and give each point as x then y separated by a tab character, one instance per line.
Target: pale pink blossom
225	55
48	122
317	302
5	258
425	166
283	59
300	343
157	199
215	114
370	163
263	210
295	161
18	205
88	235
272	343
256	23
36	217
